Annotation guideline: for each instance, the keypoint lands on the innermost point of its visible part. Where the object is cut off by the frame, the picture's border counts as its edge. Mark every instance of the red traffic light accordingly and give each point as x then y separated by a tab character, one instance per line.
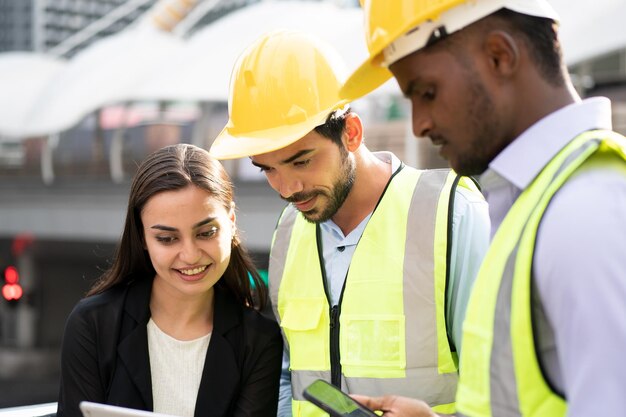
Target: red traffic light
11	276
12	291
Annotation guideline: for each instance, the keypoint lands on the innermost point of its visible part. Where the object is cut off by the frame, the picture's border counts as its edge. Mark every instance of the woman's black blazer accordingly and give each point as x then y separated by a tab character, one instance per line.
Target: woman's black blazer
105	356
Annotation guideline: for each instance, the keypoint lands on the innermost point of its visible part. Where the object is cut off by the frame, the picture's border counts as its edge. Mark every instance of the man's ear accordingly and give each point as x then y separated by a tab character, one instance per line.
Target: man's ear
503	52
353	133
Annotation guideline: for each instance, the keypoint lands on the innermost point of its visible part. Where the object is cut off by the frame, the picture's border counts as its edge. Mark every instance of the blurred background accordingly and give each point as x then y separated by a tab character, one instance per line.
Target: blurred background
89	87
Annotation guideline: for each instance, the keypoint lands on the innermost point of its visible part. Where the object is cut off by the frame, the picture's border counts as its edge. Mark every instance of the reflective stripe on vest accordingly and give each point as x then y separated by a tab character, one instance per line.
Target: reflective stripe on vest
394	297
500	372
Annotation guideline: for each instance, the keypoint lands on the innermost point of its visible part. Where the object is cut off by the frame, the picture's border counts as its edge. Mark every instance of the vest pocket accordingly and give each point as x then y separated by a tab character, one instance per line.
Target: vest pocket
373	346
306	326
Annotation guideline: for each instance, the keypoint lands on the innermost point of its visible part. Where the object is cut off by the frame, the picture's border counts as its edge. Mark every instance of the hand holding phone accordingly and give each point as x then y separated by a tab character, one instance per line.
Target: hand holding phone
334	401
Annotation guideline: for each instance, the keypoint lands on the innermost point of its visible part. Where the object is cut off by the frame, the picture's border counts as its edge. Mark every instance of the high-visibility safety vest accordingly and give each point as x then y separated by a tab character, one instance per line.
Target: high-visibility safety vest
388	333
500	373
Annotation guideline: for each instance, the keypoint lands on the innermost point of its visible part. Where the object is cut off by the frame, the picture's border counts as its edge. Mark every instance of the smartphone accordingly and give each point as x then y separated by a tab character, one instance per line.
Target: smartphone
334	401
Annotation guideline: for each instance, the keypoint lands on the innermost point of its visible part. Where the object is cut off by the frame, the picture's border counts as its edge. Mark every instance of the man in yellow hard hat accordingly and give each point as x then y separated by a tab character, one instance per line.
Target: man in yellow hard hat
372	260
545	329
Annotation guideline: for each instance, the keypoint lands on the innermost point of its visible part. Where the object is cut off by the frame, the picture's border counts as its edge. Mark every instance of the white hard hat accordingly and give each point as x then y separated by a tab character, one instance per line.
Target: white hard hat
456	19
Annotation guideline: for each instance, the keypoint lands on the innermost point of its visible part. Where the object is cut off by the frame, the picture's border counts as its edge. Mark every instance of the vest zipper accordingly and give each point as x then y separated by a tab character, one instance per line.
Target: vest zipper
334	311
335	363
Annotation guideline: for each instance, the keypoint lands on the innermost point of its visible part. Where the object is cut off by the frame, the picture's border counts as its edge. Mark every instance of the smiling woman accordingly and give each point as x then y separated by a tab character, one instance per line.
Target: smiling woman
173	326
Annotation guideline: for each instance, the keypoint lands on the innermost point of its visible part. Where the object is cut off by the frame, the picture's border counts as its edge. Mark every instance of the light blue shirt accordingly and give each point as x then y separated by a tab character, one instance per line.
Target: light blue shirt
470	239
579	268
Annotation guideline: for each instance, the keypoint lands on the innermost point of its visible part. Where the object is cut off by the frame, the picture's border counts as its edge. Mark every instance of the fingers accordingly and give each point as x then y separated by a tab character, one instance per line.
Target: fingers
394	406
373	403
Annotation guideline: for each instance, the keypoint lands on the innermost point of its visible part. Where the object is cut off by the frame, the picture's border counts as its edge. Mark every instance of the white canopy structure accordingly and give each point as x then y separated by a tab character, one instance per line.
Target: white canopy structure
201	70
144	63
107	72
23	76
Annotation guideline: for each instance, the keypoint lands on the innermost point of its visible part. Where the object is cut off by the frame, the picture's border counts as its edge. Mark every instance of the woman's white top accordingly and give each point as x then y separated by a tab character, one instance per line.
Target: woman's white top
176	367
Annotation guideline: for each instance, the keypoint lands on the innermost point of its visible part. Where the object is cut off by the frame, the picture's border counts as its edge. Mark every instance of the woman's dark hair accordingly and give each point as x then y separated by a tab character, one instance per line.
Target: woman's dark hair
173	168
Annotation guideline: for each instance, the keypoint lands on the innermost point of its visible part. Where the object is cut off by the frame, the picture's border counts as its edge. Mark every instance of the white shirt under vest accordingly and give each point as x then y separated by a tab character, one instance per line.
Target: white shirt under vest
176	367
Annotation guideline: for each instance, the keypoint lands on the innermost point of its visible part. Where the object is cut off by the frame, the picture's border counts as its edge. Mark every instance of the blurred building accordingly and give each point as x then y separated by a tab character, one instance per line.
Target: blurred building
40	25
605	75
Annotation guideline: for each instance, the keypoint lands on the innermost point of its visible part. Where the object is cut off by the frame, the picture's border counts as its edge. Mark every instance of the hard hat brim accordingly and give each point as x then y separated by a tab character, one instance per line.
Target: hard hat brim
231	145
227	146
367	78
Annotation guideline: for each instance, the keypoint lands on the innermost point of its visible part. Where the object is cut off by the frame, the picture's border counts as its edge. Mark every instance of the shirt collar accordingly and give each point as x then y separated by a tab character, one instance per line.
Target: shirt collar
389	158
522	160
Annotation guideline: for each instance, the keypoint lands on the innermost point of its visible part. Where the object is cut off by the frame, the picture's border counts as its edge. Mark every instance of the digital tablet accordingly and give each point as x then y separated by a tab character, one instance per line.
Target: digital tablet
334	401
90	409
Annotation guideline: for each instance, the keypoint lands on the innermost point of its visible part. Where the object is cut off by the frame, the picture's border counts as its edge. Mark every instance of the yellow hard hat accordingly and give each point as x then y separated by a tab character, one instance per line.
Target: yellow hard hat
282	87
395	29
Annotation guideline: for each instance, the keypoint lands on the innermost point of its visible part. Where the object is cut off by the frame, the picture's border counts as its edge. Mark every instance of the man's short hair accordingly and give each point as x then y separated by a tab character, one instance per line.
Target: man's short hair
334	126
541	37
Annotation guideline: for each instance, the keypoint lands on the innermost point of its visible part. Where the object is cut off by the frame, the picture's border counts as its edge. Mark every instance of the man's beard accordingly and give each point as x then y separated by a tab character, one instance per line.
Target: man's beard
487	141
337	196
